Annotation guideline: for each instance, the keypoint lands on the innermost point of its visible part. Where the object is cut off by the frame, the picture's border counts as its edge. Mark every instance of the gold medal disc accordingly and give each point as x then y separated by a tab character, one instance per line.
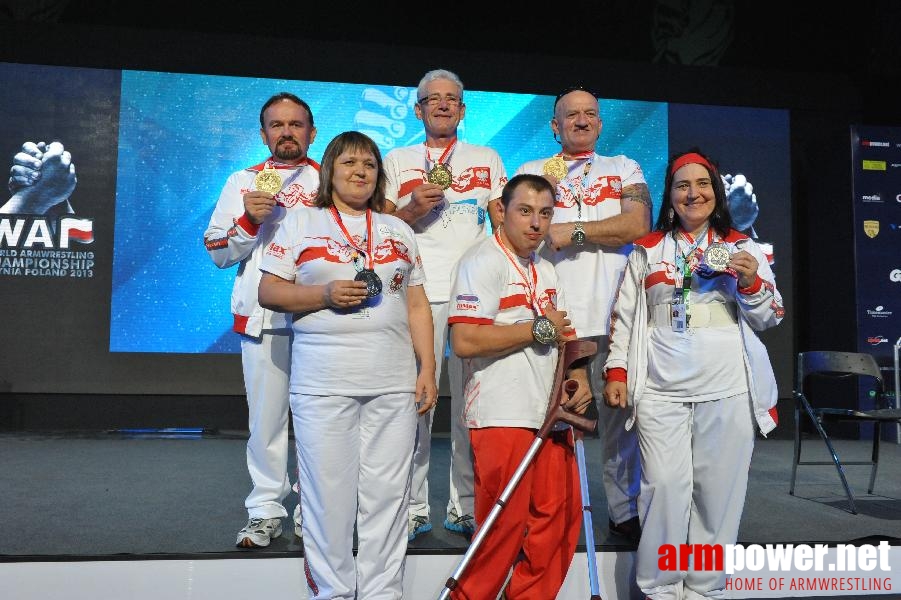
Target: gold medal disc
440	175
556	168
269	181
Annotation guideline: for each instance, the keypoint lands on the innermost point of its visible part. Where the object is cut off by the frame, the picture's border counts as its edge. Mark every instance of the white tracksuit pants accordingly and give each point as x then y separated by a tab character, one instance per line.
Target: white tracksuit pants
354	456
267	364
695	459
619	451
462	492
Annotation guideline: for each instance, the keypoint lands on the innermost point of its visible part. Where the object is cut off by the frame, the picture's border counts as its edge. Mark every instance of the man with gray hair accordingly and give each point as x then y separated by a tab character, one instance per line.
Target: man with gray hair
447	190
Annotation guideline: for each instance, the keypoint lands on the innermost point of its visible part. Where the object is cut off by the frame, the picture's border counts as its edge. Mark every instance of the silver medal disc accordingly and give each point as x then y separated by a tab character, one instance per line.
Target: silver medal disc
716	256
372	281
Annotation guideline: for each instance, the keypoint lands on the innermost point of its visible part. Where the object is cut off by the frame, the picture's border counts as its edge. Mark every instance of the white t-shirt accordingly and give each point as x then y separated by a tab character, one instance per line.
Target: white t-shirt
590	273
454	225
364	351
511	390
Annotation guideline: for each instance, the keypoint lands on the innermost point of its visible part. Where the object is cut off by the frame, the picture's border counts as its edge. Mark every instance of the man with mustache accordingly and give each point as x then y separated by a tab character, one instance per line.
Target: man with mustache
252	204
602	205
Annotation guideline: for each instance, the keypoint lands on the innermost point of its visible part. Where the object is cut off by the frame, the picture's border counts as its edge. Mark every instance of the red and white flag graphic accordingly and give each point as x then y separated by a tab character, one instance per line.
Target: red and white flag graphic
81	230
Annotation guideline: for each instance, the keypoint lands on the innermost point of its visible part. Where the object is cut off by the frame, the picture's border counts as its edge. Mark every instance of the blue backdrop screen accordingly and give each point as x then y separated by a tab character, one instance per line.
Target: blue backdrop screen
181	136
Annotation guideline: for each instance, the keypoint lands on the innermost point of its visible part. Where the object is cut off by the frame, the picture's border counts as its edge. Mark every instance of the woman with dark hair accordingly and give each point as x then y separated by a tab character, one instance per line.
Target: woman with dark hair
685	360
353	278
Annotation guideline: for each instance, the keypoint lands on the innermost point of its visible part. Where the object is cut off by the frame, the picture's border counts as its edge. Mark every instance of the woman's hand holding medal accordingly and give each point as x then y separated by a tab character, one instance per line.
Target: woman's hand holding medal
258	206
344	293
745	267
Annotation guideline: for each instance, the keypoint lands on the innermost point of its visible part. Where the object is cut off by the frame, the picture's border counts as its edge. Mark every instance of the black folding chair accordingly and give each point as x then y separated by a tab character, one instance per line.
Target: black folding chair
840	366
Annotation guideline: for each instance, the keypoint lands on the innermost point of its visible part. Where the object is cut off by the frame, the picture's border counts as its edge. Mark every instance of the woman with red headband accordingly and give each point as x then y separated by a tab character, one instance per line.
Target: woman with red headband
685	360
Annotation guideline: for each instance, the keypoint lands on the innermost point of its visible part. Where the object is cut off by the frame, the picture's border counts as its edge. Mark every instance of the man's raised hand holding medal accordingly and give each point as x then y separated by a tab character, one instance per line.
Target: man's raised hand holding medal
258	205
423	199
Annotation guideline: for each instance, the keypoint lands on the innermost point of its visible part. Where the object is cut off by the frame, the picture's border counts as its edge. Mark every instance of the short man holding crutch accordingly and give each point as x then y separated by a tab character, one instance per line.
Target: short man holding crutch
507	318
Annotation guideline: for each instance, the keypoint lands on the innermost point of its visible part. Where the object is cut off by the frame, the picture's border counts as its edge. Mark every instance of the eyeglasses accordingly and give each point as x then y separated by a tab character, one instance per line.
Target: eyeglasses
575	88
436	99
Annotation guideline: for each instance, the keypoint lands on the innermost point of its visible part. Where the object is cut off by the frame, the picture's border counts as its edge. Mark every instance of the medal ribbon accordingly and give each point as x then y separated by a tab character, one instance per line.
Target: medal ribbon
681	258
297	171
368	257
531	286
444	158
569	183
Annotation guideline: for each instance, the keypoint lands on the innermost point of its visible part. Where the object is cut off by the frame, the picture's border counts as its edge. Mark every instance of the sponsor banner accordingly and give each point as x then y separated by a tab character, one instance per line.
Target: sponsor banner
877	240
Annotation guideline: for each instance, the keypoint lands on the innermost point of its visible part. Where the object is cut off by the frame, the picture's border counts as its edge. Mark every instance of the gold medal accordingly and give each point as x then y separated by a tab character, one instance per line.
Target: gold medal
268	180
440	175
556	168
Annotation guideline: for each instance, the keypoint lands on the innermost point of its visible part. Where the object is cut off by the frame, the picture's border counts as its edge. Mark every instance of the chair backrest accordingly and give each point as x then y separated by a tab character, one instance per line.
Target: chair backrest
838	364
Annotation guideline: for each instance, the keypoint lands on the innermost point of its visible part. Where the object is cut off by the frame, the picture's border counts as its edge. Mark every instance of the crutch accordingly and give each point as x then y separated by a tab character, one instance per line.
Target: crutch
568	353
586	516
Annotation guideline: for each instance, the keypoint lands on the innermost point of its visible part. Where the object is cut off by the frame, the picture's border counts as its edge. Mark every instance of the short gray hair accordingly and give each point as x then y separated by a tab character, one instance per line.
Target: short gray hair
438	74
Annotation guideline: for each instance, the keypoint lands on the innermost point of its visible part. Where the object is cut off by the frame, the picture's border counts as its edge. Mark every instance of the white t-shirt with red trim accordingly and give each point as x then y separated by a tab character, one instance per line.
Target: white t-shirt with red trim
590	273
457	223
361	351
511	390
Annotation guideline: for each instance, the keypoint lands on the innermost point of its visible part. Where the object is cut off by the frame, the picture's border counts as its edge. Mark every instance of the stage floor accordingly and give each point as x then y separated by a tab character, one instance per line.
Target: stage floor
84	497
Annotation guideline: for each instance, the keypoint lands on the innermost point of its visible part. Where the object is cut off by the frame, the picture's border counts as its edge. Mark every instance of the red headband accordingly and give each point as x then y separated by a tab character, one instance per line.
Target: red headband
691	158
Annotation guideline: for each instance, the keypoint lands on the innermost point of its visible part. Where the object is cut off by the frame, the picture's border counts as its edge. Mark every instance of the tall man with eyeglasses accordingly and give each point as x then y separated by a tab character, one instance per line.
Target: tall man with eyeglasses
602	206
447	190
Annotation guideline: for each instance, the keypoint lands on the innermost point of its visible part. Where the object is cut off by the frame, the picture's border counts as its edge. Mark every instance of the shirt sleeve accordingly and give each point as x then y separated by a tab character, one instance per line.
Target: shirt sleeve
762	303
230	237
392	177
280	256
475	291
417	274
498	175
631	172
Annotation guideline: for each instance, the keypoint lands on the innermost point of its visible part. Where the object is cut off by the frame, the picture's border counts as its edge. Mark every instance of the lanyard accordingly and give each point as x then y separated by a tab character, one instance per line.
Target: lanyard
684	263
579	182
368	258
531	286
443	159
298	169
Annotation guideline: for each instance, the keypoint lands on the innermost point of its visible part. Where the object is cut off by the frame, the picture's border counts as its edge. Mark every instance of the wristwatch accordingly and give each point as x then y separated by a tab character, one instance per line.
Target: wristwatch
578	235
544	331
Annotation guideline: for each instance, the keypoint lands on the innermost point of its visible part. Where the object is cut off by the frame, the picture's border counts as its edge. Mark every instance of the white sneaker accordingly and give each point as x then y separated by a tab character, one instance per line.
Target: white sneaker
298	522
258	533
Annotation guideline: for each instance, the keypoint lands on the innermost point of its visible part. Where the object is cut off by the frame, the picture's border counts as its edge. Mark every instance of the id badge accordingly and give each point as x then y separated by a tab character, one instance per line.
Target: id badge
679	318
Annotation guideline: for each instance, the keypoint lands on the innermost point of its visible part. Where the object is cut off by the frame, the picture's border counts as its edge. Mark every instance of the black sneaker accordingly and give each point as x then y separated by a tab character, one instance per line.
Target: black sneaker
630	530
